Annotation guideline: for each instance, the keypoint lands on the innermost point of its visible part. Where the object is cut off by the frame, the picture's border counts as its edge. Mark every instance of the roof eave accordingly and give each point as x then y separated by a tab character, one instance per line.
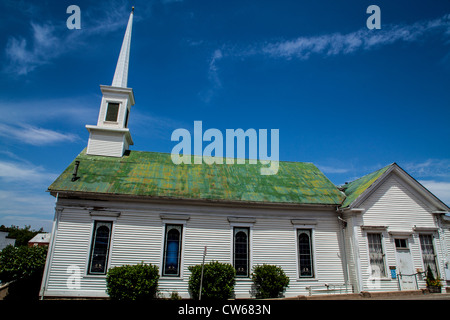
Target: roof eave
129	197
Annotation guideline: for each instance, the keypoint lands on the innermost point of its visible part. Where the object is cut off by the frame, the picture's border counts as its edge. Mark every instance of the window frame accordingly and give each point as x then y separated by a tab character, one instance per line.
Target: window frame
118	111
312	246
433	245
236	230
406	247
383	253
242	222
94	228
180	249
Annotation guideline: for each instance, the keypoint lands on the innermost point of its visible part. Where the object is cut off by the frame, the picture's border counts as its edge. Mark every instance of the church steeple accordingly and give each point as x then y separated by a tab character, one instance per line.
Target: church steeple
121	74
111	136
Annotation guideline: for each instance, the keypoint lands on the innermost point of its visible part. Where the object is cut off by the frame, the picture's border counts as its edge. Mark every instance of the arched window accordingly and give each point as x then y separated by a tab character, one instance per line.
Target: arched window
100	247
241	249
305	257
172	250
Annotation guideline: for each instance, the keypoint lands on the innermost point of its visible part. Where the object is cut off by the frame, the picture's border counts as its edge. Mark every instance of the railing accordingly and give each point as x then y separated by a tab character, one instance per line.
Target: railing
400	276
328	288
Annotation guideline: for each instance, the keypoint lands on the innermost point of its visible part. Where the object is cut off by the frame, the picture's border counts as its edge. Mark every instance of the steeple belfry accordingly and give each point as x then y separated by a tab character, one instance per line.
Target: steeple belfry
111	136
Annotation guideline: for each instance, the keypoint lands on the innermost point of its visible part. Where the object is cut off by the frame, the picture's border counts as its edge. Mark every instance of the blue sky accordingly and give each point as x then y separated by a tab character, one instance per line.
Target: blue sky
349	99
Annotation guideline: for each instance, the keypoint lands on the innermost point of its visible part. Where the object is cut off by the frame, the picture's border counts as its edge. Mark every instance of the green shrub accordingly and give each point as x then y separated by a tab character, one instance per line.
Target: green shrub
20	262
132	282
218	280
25	266
431	280
269	281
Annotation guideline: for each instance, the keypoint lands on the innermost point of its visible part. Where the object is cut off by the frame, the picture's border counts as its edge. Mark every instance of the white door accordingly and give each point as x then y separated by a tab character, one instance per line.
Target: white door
405	268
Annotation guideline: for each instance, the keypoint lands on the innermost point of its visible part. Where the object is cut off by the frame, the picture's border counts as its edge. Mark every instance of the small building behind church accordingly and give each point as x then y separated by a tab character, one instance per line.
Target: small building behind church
117	206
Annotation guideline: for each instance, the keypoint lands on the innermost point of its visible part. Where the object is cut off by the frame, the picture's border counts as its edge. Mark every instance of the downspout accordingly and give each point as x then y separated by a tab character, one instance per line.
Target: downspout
354	246
343	224
356	255
51	249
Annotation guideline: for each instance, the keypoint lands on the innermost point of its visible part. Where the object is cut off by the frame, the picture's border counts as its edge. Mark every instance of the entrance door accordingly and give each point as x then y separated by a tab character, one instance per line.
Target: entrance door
405	268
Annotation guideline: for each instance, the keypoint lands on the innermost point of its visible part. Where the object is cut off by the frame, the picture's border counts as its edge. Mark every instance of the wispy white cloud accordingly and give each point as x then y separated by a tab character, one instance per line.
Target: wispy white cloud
48	41
24	57
27	208
327	45
435	168
363	39
439	188
11	171
332	169
159	127
433	174
213	77
74	110
23	196
35	136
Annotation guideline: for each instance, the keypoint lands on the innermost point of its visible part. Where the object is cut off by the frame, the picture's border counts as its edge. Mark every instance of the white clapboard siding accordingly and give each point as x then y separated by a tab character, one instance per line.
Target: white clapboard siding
395	205
106	143
138	235
446	250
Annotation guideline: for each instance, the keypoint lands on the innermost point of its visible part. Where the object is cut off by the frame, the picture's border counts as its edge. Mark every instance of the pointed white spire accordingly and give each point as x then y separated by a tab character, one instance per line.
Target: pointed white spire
111	136
121	73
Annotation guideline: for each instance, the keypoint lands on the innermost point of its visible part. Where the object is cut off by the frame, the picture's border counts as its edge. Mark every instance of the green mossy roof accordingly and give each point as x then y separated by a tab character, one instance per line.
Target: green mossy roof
355	188
152	174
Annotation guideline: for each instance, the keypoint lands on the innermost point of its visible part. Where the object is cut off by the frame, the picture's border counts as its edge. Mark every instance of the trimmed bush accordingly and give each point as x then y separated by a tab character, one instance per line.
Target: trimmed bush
25	266
218	280
269	281
132	282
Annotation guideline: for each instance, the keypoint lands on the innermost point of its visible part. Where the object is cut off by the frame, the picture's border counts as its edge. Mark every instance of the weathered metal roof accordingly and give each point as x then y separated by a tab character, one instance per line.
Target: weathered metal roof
154	175
355	188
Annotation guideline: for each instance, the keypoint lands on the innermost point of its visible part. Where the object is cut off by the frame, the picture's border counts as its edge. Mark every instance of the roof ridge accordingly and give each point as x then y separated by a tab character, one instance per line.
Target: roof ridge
83	153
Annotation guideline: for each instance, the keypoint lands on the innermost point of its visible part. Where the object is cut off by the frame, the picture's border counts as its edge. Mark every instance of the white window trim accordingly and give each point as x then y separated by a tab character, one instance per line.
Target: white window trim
432	233
408	243
383	246
248	224
118	111
311	227
168	221
103	217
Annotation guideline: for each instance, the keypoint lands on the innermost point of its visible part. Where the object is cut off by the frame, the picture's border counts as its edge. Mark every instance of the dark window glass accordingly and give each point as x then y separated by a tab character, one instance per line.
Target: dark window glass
305	256
126	118
241	248
100	247
112	112
401	243
172	250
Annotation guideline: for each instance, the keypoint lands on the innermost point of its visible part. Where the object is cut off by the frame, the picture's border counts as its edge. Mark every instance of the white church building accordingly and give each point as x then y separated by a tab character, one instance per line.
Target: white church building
116	206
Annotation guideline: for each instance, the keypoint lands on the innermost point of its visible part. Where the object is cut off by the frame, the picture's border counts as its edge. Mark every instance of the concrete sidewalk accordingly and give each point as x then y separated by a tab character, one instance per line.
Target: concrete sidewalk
392	295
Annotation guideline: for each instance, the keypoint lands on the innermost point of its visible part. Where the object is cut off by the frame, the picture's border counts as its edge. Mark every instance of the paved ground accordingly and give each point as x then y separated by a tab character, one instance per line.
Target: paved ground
395	295
431	296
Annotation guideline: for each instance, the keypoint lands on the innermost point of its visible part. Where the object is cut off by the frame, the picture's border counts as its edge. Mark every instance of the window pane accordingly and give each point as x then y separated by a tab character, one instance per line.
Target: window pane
376	254
241	247
305	258
100	247
112	112
126	118
172	252
428	256
401	243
